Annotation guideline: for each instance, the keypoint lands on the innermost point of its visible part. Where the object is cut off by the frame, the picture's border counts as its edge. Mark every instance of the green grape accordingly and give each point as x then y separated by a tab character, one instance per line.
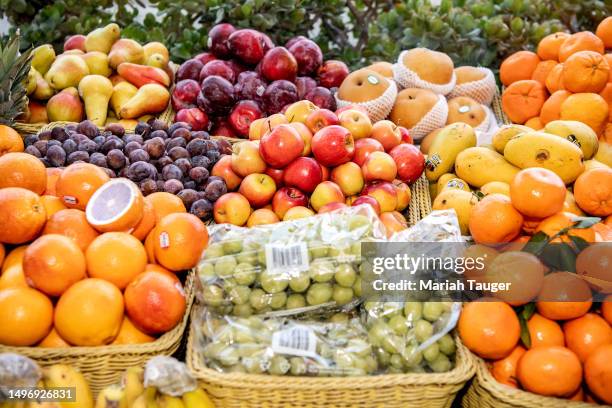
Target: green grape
244	310
413	311
338	251
383	357
206	271
299	283
214	251
431	352
212	350
357	287
298	366
232	247
321	270
253	365
339	318
247	257
343	359
242	335
396	361
358	221
359	347
212	295
258	299
378	333
317	249
412	357
239	295
224	266
447	344
279	366
345	275
342	295
423	330
273	282
447	306
393	343
356	249
319	293
360	364
245	274
325	350
432	311
261	257
398	324
296	301
391	309
228	356
236	368
371	364
278	300
441	364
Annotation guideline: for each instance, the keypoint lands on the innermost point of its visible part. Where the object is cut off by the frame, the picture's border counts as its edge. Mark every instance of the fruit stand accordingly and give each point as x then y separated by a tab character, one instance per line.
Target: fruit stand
249	215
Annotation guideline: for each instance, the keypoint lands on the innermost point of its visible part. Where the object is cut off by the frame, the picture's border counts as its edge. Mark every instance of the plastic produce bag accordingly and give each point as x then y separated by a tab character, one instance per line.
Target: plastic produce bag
290	267
17	371
169	376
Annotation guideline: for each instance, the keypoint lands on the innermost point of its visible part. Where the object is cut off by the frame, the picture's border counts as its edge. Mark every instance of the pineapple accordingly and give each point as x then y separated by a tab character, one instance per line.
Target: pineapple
14	69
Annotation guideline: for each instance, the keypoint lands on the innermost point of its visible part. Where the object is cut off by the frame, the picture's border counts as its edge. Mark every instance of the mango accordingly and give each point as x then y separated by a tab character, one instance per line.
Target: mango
479	166
505	133
594	164
457	183
576	132
443	180
604	153
459	200
539	149
444	149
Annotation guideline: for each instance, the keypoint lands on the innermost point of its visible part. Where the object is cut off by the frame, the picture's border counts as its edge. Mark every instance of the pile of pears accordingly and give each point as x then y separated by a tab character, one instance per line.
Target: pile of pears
100	77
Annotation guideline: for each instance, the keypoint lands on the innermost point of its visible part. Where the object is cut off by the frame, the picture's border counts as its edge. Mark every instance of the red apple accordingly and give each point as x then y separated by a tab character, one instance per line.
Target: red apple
197	119
349	177
286	198
357	122
379	166
394	222
325	193
321	118
403	194
259	127
223	169
331	207
303	173
306	135
243	114
295	213
246	159
223	128
75	42
352	107
218	37
410	162
232	208
333	146
281	146
387	133
258	189
299	111
325	172
384	192
277	176
367	200
332	73
262	216
363	148
406	136
185	94
279	63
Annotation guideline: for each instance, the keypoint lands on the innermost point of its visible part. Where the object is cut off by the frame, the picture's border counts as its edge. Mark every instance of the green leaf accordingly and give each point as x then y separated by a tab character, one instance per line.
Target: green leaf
580	243
536	243
525	336
585	222
567	258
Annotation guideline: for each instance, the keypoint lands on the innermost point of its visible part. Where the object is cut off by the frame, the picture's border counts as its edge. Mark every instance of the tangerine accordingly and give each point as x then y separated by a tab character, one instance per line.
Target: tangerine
523	100
544	332
593	191
504	370
586	71
31	219
518	66
180	240
598	373
582	41
551	371
548	48
164	204
584	334
129	334
537	192
494	220
564	296
10	141
26	316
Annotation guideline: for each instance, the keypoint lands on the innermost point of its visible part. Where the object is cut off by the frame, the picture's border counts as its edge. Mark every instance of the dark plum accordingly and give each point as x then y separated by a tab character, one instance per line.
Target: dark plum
141	170
111	144
219	92
44	135
183	164
189	196
131	146
116	159
88	146
155	147
189	184
224	146
148	186
33	151
200	161
213	155
197	147
158	124
71	127
138	155
200	134
173	186
99	140
142	128
56	156
59	134
115	129
190	69
109	172
201	208
162	134
69	146
178	152
98	159
88	128
178	125
77	156
215	189
279	94
175	142
249	85
53	143
133	138
182	132
123	172
163	162
199	174
171	171
41	145
30	140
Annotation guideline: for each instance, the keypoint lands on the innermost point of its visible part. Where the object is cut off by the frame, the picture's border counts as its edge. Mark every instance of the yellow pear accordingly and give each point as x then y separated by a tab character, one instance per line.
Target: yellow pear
65	106
42	58
98	63
150	98
102	39
30	84
157	61
96	91
43	90
72	52
67	72
122	93
156	48
126	50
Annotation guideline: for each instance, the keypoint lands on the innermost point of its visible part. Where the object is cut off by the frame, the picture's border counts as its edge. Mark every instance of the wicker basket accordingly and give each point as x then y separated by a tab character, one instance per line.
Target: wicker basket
103	365
382	391
486	392
420	201
498	110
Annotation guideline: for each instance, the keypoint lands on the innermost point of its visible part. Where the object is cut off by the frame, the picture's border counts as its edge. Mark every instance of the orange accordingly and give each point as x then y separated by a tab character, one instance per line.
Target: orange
26	316
570	206
551	371
548	48
517	67
588	108
179	241
155	302
164	204
52	205
608	58
146	223
158	268
2	253
535	123
560	221
537	192
551	110
594	264
604	32
31	219
72	223
522	270
582	41
593	191
12	269
53	340
504	370
129	334
544	332
523	100
603	233
494	220
542	70
606	309
577	396
89	313
564	296
486	254
606	94
149	245
78	182
518	244
53	263
22	170
116	206
598	373
586	71
554	80
489	328
584	334
116	257
53	174
10	140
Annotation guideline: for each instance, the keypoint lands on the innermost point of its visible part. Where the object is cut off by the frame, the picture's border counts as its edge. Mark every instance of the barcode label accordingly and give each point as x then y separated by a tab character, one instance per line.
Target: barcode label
282	258
296	341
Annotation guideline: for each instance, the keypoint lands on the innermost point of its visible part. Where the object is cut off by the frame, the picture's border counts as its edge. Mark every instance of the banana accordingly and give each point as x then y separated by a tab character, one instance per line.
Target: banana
197	399
112	396
146	399
132	382
61	375
166	401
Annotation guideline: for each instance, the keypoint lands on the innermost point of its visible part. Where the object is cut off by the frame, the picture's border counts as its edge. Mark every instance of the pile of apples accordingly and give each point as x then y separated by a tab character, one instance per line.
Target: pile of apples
311	160
244	77
100	77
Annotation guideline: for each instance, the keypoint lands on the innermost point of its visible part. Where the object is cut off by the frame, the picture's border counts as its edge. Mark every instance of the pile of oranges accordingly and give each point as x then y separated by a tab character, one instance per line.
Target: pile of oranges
568	78
76	270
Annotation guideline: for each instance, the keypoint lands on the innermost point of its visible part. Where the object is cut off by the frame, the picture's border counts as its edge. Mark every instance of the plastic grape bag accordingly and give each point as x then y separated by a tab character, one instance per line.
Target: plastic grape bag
287	268
17	371
169	376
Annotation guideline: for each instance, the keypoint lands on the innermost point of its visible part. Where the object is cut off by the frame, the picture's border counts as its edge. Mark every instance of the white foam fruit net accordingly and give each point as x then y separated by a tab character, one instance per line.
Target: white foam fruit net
434	119
407	78
481	91
379	108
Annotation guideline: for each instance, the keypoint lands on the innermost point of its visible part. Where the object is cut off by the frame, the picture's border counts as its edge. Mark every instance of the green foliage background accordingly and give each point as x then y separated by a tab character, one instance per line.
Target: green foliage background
357	31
